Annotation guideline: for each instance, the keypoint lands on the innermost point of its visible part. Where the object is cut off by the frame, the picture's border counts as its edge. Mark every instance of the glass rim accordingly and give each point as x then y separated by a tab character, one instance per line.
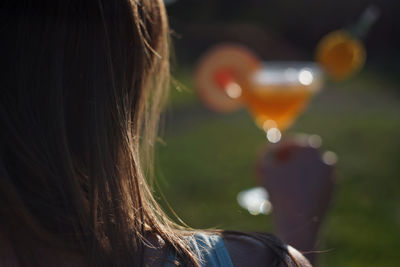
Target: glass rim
306	73
295	64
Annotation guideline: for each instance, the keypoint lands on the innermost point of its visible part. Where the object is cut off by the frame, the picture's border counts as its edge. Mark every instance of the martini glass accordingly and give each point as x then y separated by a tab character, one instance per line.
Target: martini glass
230	77
279	92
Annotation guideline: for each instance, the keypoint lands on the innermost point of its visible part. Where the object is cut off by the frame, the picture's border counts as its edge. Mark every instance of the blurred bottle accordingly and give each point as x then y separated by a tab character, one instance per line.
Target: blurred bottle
342	53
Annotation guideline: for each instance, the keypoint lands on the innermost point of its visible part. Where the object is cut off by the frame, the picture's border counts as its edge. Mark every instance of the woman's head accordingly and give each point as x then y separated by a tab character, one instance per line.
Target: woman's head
82	84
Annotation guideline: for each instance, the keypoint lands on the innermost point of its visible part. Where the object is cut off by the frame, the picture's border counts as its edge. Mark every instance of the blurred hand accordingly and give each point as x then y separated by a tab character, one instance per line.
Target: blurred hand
300	186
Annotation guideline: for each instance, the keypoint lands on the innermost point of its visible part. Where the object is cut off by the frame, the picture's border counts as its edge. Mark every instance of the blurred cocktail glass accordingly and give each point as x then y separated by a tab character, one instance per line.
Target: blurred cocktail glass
279	92
275	93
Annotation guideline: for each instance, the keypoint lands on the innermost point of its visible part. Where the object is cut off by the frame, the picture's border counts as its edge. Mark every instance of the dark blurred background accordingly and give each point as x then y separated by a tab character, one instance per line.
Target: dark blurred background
281	29
205	159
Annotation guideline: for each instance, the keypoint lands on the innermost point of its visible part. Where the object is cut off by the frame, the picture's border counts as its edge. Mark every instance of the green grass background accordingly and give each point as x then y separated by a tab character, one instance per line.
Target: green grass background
205	159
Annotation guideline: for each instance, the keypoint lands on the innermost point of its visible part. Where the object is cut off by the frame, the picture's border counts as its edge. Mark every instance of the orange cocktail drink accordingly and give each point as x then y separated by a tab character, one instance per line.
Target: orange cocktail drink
275	94
279	92
276	106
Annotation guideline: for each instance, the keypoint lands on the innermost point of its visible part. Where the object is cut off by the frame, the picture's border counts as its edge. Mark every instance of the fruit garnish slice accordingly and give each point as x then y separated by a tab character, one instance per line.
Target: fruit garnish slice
222	73
340	54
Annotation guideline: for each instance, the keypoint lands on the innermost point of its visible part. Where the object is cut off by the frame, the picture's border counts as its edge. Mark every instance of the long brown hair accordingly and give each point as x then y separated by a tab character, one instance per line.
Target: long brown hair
82	85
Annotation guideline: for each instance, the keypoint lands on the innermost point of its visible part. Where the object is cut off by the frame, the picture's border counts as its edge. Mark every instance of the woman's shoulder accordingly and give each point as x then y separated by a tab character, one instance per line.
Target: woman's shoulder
228	248
259	249
245	250
208	248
